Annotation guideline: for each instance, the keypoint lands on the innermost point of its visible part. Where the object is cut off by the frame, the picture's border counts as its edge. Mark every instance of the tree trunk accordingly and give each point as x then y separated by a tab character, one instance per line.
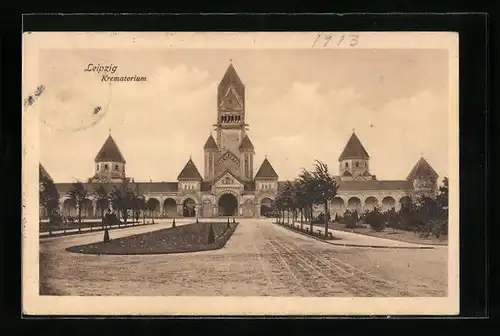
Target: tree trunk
326	218
310	218
79	219
102	218
50	225
302	218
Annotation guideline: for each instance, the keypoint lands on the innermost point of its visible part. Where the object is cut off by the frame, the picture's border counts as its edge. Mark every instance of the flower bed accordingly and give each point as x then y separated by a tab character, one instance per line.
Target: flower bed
306	231
181	239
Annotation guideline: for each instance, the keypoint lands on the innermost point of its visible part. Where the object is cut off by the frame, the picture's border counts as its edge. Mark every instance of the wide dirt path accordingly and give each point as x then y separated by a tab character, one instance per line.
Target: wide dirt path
260	259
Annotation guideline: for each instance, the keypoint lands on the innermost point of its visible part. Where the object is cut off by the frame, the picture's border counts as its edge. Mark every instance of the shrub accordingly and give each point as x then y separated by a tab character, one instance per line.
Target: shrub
392	218
351	219
375	219
406	219
433	227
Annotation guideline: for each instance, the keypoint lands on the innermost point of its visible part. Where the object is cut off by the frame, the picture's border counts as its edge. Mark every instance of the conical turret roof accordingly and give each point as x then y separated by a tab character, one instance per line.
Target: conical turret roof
266	171
189	172
43	173
110	152
422	170
354	149
211	144
246	143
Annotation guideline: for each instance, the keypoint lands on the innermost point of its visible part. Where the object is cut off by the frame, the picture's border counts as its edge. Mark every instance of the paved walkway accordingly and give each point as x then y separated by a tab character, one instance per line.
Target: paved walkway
353	239
260	259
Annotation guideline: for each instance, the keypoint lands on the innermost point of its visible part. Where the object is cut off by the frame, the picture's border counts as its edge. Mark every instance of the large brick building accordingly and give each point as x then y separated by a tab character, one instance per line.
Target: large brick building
229	186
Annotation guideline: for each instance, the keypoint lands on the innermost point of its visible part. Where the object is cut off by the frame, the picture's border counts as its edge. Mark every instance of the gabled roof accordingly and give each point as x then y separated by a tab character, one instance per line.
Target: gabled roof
246	143
375	185
229	79
354	149
266	171
140	187
366	173
422	169
227	171
211	144
151	187
109	152
43	173
189	172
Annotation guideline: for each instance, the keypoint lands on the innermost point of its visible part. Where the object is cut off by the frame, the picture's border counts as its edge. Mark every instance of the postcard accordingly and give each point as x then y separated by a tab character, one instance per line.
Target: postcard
240	173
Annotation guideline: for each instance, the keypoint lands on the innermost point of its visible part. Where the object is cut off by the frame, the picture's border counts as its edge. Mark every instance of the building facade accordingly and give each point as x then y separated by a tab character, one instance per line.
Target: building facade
228	186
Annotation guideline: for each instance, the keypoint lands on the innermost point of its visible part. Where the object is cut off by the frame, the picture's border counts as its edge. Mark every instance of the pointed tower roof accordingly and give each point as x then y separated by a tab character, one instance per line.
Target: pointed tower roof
43	173
246	143
354	149
189	172
211	144
229	79
266	171
110	152
422	169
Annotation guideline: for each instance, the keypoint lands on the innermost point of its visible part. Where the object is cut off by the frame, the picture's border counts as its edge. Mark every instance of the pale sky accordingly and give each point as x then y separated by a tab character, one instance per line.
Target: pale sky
301	105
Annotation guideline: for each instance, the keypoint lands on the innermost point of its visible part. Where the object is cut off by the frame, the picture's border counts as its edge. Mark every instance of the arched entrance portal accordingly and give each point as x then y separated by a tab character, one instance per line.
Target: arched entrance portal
228	205
188	208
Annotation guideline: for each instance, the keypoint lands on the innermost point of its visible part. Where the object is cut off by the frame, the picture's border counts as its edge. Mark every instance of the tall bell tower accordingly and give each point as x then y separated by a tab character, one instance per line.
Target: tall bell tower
230	126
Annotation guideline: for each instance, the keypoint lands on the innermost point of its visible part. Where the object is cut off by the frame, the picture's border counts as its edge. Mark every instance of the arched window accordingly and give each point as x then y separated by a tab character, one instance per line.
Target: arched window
347	164
97	167
117	168
106	167
357	164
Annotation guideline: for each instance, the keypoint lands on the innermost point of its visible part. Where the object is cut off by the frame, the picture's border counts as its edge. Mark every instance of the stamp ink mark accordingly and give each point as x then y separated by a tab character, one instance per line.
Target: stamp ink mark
30	100
98	113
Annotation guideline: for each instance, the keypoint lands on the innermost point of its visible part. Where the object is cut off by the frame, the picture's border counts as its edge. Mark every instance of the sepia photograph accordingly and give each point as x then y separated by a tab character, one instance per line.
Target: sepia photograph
284	173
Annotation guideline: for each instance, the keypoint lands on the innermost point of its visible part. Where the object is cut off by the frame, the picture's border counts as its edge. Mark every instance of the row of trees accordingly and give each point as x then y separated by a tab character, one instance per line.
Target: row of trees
427	215
312	187
121	198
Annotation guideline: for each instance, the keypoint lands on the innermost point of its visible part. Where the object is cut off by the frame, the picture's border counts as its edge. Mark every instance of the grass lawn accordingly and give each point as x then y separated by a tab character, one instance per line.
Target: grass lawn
388	233
186	238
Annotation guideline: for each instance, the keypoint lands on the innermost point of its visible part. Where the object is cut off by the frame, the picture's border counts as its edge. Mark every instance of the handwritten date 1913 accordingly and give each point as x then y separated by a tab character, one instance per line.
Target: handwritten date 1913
324	39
